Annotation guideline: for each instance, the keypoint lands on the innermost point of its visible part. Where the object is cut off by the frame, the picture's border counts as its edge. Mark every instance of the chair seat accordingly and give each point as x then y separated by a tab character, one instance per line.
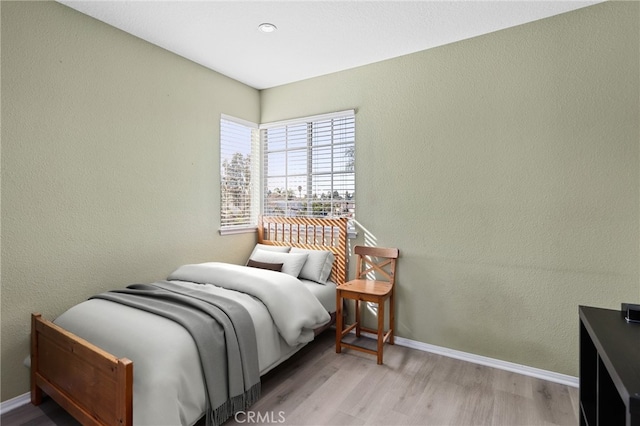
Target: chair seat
369	287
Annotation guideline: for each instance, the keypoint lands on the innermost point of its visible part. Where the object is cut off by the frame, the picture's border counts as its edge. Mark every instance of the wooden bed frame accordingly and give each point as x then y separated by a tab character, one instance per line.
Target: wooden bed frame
96	387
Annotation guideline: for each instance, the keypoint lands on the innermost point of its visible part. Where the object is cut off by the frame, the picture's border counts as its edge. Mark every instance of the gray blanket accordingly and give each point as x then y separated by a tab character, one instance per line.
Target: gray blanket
223	332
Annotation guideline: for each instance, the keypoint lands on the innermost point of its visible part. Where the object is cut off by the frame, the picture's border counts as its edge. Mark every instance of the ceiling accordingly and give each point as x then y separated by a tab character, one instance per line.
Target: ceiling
313	37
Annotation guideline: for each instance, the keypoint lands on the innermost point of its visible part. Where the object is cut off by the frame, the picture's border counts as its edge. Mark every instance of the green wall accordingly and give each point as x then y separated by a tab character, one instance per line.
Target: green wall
504	167
110	164
506	170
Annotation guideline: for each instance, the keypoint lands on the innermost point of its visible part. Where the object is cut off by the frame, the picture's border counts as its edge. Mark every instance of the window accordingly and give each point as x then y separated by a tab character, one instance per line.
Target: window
239	174
308	166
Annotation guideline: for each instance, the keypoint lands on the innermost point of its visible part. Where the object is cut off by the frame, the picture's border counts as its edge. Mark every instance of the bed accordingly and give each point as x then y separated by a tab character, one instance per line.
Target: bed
85	358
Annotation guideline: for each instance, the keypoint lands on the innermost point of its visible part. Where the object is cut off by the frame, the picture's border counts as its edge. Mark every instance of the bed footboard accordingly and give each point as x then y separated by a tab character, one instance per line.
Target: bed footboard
92	385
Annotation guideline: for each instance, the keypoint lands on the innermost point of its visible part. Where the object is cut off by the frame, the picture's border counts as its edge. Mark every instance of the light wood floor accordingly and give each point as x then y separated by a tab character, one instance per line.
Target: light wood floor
320	387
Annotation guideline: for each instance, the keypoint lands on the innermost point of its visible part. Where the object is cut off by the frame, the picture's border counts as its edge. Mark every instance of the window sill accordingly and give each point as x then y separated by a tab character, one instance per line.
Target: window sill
242	230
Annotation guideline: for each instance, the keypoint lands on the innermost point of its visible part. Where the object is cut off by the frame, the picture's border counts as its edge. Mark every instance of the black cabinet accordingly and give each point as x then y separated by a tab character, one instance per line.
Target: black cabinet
609	368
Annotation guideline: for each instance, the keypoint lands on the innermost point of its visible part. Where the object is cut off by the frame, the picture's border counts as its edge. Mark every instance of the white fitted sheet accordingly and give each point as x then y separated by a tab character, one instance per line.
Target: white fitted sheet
325	293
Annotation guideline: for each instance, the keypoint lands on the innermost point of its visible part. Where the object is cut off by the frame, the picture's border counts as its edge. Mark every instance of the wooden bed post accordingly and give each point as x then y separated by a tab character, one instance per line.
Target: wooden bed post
124	400
260	229
36	392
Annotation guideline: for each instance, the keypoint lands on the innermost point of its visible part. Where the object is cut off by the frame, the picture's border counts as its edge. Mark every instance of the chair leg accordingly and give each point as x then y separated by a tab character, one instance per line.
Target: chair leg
392	318
338	322
357	317
380	329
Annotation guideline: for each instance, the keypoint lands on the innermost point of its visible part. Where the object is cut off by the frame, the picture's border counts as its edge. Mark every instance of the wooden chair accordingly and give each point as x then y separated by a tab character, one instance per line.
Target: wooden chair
374	282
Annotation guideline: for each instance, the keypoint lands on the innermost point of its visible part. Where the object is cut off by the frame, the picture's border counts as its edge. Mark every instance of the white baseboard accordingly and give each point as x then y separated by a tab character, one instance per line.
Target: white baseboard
13	403
491	362
538	373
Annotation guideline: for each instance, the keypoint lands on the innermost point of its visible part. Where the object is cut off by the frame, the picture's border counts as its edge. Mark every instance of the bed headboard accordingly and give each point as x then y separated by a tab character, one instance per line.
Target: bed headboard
309	233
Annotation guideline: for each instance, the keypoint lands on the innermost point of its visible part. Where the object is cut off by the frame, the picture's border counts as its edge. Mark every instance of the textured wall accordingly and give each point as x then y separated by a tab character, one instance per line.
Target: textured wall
110	166
506	169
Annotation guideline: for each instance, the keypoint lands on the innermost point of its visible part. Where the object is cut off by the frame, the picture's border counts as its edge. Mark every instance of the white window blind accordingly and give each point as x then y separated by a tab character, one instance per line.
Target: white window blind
308	166
239	174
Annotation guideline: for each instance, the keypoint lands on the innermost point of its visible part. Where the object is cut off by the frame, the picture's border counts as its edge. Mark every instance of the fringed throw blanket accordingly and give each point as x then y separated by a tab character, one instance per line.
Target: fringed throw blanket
223	332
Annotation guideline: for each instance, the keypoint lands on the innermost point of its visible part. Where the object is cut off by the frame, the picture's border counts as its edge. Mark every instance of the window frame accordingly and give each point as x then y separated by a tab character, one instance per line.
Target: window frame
253	146
320	120
258	187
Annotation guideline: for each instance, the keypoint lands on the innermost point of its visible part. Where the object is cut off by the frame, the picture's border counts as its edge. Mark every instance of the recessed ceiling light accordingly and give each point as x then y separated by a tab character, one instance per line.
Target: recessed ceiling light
267	28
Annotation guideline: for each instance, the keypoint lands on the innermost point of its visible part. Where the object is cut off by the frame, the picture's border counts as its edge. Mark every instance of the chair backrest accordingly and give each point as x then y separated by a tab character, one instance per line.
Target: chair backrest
376	263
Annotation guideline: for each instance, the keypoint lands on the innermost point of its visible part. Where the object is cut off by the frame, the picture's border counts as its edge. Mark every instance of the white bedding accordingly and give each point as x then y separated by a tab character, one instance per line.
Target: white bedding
293	308
168	386
325	293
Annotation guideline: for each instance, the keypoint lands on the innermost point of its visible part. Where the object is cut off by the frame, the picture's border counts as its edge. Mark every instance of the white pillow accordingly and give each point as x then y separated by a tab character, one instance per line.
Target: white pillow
318	265
280	249
291	263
